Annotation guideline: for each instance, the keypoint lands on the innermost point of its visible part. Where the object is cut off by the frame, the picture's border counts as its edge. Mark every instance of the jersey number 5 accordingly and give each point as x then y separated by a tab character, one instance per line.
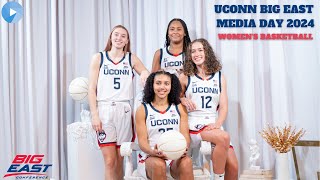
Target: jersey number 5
116	83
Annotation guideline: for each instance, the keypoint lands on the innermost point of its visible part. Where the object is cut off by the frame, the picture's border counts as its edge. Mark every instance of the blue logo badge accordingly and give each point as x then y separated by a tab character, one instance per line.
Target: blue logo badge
12	12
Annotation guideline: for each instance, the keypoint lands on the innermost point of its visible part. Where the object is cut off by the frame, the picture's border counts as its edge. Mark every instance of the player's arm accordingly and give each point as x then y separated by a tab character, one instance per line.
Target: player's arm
184	126
92	96
138	66
185	101
156	61
142	131
183	81
223	103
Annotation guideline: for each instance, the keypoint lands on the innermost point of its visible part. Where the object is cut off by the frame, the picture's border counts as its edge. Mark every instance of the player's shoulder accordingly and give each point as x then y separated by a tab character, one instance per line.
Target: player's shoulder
182	75
141	107
134	57
97	59
183	78
182	108
158	53
97	56
221	76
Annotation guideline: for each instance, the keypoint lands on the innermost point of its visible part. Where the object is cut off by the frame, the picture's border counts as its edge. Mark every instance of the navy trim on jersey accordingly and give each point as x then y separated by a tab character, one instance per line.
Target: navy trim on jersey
161	112
131	65
101	59
130	60
212	75
173	54
145	110
161	54
220	81
183	57
188	82
177	109
114	62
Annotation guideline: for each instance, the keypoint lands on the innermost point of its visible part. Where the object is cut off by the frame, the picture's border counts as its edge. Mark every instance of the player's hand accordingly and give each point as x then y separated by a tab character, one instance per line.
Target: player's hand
185	153
213	126
188	104
96	124
157	153
179	71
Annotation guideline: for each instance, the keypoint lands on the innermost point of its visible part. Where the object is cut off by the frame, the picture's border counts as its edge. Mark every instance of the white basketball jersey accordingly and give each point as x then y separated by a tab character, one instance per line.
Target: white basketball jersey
170	62
159	122
115	79
205	94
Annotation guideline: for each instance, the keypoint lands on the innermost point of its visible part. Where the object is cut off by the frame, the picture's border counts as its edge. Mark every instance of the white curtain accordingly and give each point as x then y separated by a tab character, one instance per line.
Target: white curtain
272	82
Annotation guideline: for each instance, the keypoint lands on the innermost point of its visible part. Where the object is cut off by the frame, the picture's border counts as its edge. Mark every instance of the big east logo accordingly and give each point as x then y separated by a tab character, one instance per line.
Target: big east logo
28	165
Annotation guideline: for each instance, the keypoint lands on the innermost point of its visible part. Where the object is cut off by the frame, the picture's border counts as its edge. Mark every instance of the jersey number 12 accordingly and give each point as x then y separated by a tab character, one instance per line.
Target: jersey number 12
205	101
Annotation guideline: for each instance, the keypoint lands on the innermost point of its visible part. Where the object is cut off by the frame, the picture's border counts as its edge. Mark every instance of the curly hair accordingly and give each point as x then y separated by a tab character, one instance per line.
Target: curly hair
186	38
173	96
211	63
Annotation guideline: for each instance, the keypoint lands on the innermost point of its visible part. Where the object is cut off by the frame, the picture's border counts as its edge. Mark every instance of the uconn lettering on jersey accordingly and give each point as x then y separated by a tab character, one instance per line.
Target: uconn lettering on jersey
173	64
160	122
204	90
115	71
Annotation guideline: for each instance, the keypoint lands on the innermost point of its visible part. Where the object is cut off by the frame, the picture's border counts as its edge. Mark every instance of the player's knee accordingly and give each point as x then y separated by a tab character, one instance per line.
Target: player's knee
185	165
159	166
225	139
110	163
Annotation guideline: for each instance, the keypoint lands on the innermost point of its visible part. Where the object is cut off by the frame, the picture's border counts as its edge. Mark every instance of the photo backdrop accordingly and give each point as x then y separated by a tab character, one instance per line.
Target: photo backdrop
269	81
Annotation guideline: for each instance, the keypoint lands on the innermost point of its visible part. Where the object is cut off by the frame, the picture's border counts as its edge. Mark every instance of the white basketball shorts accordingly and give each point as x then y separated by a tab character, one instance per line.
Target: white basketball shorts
117	123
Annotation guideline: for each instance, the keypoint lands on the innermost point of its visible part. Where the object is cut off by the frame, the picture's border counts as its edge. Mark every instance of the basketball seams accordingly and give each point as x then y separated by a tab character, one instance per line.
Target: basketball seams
177	151
78	89
172	143
76	83
85	82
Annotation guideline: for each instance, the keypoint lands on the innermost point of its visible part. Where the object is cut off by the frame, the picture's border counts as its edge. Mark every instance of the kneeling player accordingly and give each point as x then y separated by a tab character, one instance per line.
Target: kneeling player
161	102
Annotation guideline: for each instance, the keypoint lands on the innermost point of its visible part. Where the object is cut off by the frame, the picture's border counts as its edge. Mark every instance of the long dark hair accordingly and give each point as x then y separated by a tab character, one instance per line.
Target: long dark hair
173	96
186	38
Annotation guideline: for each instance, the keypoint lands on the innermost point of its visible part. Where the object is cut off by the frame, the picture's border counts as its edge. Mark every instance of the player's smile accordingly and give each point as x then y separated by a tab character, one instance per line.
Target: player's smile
197	53
162	85
119	38
176	32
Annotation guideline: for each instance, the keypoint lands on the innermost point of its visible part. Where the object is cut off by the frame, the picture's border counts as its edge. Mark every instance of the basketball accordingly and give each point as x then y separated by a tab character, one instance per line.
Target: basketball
78	89
172	144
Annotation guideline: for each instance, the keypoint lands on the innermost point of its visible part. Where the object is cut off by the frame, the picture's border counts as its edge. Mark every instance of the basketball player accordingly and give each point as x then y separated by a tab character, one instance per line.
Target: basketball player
160	112
204	89
171	57
110	90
